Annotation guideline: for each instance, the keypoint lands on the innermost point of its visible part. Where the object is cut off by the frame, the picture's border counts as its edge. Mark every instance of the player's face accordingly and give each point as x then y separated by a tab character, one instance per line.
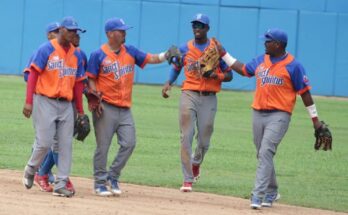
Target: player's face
271	47
76	40
200	30
52	35
70	35
120	36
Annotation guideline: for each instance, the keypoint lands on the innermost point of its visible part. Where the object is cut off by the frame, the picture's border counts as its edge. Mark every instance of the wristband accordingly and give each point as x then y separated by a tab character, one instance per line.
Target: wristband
229	60
312	111
162	56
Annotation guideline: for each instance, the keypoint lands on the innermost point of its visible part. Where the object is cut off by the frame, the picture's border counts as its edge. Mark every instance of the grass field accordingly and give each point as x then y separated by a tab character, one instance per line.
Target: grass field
306	177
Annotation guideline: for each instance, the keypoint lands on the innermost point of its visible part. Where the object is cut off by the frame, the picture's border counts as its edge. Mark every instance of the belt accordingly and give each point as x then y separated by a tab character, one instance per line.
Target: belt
61	99
205	93
267	111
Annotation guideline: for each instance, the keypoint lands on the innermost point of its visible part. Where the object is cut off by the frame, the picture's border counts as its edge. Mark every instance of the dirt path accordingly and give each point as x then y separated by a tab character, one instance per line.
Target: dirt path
140	200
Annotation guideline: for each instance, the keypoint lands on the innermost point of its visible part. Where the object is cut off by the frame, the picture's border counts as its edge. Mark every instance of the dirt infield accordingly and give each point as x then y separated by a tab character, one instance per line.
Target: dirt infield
140	200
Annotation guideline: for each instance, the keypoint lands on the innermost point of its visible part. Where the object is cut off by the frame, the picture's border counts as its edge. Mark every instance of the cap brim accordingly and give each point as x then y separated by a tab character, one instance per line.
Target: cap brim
125	27
265	38
198	21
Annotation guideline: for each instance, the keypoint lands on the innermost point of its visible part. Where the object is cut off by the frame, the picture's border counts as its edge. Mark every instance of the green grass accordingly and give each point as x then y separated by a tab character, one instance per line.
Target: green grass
306	177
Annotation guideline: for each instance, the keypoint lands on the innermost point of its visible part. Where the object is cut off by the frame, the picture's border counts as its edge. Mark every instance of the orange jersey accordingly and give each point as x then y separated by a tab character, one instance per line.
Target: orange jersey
57	69
277	82
114	73
194	81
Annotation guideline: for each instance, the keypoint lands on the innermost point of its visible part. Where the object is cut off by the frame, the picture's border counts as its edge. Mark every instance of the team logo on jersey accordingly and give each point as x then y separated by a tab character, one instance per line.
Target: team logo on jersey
265	78
118	70
192	66
58	64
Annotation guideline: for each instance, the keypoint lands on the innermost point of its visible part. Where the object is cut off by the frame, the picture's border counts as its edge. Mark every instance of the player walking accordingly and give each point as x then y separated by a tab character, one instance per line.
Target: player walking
198	102
279	77
42	176
55	79
111	73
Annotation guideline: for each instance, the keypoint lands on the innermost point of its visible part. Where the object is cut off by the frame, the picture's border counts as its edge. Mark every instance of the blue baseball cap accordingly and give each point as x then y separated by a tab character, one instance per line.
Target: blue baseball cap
200	17
70	23
52	27
114	24
275	34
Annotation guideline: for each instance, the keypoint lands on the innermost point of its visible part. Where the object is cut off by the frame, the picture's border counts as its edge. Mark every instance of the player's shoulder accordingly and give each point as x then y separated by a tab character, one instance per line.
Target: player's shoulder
296	64
46	46
184	47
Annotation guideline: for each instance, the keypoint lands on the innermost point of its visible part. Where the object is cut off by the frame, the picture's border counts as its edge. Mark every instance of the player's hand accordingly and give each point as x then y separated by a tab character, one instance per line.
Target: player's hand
27	110
99	110
165	90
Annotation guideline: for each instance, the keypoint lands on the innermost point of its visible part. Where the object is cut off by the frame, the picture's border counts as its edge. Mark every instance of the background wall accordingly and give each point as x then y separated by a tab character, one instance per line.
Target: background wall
317	30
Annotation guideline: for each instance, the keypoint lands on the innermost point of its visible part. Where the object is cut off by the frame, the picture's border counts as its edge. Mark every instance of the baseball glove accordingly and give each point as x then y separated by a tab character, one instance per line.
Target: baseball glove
94	99
209	61
323	137
81	127
174	56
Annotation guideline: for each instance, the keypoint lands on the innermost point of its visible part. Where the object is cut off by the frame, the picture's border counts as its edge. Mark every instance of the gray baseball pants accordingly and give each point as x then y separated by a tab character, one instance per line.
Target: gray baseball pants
52	118
195	110
113	120
269	128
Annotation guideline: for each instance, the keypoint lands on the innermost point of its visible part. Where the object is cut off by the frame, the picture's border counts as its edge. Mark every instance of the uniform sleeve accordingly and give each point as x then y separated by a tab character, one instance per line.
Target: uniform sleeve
84	59
140	57
93	65
41	57
80	74
298	77
250	67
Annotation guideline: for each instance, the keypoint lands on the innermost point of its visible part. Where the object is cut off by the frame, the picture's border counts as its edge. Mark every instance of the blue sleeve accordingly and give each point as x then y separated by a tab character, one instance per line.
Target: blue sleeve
173	75
41	57
84	59
253	64
138	55
26	70
298	75
94	62
80	68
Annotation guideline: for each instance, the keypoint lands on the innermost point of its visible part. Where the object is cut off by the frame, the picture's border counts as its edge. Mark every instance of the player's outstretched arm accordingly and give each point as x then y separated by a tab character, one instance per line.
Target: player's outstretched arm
232	62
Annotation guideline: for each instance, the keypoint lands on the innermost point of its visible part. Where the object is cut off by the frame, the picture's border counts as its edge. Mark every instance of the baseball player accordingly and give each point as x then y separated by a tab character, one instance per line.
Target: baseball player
42	180
279	77
42	176
55	79
111	72
198	102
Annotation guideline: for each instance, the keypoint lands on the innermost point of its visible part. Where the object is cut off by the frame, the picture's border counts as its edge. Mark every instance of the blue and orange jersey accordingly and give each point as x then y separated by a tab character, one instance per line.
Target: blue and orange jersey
278	80
193	80
58	70
114	72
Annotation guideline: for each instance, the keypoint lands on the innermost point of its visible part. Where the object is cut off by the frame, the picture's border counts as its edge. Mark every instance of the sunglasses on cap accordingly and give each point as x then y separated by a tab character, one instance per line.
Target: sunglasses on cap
198	25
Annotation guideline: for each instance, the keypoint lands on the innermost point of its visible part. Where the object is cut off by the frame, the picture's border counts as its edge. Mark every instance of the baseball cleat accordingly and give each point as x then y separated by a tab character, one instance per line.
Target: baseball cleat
101	190
115	189
186	187
70	186
42	183
269	199
28	179
196	172
63	192
255	202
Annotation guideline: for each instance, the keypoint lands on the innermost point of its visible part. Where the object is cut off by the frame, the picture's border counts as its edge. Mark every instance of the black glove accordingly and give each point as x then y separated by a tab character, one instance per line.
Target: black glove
323	137
82	127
